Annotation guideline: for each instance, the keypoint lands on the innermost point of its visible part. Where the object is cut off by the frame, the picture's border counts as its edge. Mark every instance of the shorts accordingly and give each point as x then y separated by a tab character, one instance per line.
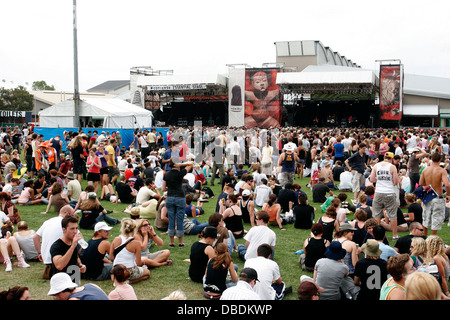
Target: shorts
136	272
434	214
357	181
93	176
301	161
386	201
286	177
151	255
113	172
104	170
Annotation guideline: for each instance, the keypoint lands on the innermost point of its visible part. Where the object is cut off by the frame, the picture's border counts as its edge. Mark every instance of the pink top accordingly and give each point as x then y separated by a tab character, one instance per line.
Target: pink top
122	292
25	196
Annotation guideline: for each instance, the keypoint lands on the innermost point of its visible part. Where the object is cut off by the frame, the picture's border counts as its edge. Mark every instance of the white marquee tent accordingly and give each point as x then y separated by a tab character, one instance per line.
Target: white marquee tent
115	113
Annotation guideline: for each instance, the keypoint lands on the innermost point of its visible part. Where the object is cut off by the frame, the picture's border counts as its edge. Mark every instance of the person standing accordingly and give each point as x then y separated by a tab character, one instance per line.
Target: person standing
357	164
385	176
434	177
287	161
176	200
416	155
218	155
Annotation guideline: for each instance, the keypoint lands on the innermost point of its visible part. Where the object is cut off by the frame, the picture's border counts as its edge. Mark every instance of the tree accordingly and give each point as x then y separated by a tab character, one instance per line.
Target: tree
18	99
41	86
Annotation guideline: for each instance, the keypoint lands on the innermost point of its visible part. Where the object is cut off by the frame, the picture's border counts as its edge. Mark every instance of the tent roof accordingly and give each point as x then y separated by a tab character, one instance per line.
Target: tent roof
92	107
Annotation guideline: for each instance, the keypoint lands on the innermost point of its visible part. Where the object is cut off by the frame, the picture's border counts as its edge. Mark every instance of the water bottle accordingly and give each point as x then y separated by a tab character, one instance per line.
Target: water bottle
83	243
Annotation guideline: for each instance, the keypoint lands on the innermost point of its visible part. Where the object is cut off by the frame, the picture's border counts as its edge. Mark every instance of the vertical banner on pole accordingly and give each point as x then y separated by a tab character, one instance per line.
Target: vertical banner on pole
263	101
236	96
391	92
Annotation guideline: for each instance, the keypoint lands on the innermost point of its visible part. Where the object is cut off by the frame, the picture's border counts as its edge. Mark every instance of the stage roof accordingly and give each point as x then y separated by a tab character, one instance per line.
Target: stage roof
182	82
329	78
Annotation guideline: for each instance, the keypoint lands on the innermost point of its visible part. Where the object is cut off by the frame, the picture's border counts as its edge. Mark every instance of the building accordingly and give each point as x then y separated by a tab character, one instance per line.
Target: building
309	84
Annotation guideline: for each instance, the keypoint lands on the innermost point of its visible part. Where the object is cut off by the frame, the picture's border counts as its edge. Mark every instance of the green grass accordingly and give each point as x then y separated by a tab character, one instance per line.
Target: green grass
164	280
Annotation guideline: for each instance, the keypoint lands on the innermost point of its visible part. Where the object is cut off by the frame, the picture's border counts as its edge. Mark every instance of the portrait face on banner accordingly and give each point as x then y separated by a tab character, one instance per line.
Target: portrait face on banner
262	98
390	92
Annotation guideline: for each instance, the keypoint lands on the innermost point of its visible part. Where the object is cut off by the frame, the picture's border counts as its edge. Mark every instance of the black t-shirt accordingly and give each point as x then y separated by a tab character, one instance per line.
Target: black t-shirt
7	140
136	182
400	217
372	274
417	209
228	179
403	244
303	214
76	154
59	248
199	261
174	183
337	170
277	189
284	196
16	138
149	172
124	192
88	217
319	192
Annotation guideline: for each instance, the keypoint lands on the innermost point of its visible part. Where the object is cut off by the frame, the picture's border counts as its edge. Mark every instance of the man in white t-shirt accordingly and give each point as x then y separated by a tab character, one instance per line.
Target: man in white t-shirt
49	232
270	285
148	191
159	178
73	189
262	193
347	142
256	236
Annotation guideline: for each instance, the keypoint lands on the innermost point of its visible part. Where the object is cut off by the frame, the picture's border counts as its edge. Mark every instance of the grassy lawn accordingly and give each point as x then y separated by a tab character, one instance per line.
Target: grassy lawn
166	279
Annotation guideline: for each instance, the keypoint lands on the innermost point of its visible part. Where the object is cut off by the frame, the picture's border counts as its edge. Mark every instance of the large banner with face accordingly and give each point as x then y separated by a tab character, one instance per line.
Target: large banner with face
263	101
391	87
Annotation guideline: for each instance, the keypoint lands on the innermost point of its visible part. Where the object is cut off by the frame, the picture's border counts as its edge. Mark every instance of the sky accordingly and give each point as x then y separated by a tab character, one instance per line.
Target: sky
202	37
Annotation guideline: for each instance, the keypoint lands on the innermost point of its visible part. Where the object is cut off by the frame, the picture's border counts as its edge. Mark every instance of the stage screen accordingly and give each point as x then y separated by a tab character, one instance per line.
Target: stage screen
263	101
391	80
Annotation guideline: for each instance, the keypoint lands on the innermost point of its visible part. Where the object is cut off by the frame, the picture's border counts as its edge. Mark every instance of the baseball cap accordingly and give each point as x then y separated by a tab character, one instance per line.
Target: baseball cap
101	226
60	282
92	195
246	192
389	155
249	273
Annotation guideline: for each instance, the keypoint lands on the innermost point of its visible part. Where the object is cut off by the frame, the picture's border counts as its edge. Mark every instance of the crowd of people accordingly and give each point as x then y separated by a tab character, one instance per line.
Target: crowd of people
390	180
